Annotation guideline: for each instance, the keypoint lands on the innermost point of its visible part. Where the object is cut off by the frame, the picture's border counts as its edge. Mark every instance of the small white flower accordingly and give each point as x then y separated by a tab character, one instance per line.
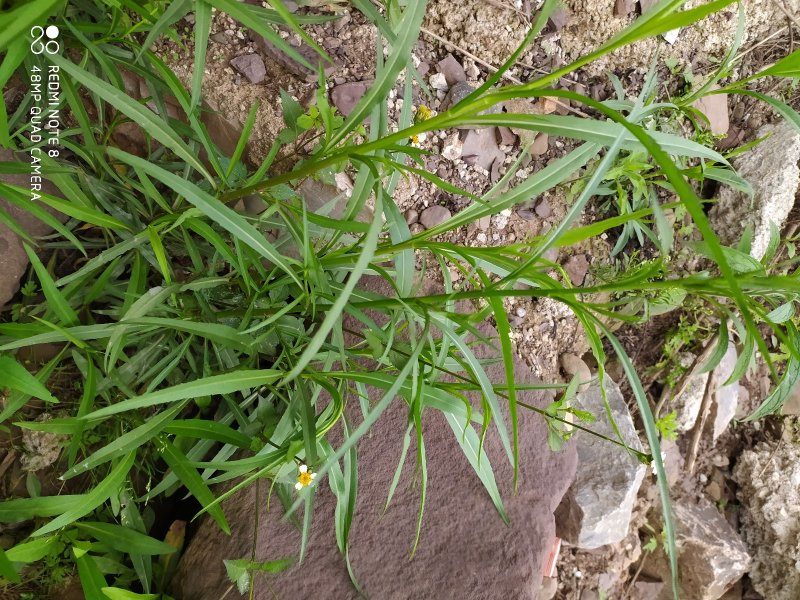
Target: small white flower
304	477
417	139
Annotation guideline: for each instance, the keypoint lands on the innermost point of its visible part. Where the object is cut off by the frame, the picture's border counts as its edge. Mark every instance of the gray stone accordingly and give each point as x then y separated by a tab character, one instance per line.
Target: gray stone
597	508
438	82
623	7
726	397
573	366
412	216
452	70
345	96
464	550
540	145
480	148
792	405
311	56
433	216
687	404
505	136
525	107
711	556
646	590
13	259
769	492
453	147
543	209
251	66
576	267
772	170
673	460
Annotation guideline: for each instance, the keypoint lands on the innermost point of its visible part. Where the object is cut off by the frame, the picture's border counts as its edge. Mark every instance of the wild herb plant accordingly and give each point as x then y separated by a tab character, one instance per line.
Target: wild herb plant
204	347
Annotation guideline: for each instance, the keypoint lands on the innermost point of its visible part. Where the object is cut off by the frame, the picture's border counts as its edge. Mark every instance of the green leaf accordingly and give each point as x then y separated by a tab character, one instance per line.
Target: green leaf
386	77
56	302
202	28
782	313
225	217
239	570
17	23
18	378
773	403
738	261
25	509
208	430
29	552
743	360
471	446
719	351
92	580
124	539
127	442
7	570
175	10
226	383
189	476
113	593
651	432
90	501
150	122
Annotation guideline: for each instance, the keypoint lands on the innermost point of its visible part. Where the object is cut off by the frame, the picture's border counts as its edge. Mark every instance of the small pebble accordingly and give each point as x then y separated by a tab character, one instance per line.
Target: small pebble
438	82
433	216
412	216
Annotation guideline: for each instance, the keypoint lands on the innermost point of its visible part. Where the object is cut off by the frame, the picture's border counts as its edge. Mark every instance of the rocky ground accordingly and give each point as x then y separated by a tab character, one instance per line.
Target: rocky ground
735	487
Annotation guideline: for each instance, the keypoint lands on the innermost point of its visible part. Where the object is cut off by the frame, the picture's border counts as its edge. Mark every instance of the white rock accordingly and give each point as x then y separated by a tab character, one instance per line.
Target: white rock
711	556
687	404
597	508
452	147
726	397
344	183
438	82
771	168
769	480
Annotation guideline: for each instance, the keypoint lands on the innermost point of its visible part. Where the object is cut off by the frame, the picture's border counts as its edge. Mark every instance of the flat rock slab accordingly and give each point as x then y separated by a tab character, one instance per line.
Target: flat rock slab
465	550
597	509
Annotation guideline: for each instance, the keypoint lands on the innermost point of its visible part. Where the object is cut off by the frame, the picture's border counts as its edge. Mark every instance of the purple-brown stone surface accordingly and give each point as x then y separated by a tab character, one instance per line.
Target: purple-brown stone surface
465	550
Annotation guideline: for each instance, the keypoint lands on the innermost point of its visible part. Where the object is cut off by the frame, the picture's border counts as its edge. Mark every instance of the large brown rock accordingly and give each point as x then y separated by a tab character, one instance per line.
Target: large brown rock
465	550
13	260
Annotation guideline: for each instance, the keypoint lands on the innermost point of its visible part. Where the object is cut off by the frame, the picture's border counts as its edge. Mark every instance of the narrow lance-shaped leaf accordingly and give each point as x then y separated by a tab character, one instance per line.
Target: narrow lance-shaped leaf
90	501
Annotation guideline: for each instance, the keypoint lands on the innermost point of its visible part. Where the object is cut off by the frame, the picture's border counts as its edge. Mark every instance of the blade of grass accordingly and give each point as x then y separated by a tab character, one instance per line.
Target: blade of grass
93	499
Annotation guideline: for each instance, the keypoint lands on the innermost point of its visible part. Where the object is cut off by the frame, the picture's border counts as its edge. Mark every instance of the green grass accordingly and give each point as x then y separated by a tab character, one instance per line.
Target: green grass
185	321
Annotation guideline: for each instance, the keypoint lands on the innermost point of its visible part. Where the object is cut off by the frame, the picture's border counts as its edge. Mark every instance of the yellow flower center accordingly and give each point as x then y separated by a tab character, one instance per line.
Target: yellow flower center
423	113
415	139
304	479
